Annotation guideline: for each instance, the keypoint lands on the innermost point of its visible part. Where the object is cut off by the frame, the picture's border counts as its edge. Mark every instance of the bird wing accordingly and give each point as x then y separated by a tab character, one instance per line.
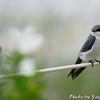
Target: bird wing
87	46
76	71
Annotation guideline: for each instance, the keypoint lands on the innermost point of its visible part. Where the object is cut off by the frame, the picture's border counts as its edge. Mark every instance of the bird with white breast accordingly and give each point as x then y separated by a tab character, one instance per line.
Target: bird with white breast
89	52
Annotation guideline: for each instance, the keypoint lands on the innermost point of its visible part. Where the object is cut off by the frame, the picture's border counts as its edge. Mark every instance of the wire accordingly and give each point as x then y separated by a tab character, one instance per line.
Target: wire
66	67
52	69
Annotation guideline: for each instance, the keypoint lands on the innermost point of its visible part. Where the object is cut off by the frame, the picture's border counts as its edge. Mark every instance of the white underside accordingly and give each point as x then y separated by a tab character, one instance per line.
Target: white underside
93	53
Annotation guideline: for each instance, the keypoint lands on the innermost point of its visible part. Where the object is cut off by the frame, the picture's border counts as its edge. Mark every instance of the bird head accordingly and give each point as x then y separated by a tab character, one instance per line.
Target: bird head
96	30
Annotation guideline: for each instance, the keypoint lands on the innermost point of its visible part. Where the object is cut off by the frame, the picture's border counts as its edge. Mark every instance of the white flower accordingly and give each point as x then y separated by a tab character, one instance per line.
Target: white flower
25	41
29	43
27	67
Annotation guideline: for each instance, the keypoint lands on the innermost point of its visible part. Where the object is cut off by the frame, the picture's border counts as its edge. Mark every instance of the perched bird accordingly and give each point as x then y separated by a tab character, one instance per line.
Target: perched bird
89	52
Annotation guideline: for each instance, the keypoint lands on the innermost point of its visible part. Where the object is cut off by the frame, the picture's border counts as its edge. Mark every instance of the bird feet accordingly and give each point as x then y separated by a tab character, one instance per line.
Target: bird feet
93	61
98	61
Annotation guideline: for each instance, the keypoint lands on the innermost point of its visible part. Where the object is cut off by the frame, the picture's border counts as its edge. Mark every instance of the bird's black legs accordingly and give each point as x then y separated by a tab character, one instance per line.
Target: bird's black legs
92	63
98	61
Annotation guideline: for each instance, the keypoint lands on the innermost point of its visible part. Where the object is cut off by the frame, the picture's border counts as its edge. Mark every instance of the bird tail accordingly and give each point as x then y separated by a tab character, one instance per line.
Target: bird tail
75	72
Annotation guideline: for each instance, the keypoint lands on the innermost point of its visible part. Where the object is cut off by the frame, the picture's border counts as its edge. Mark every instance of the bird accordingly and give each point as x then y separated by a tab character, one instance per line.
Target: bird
89	52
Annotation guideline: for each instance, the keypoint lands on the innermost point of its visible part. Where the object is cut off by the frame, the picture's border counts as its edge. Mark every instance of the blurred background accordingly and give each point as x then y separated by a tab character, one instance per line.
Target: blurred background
36	34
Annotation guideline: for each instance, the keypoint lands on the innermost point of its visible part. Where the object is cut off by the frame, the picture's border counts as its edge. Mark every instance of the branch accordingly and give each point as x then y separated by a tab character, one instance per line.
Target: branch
52	69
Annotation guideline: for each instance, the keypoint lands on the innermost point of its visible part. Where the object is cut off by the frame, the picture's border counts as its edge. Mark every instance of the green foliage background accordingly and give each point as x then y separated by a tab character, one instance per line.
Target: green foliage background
19	87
